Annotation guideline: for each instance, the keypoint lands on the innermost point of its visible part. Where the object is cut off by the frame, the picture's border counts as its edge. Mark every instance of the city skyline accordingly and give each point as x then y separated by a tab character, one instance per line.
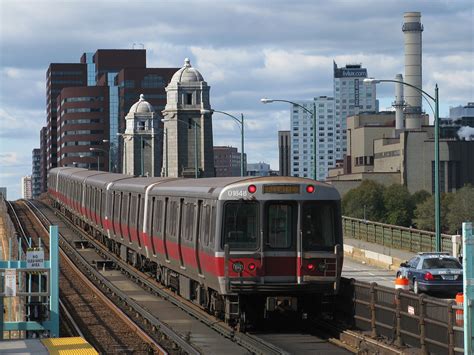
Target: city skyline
246	51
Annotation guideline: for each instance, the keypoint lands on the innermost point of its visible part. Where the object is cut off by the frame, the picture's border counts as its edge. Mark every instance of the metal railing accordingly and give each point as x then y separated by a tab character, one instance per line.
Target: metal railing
401	317
413	240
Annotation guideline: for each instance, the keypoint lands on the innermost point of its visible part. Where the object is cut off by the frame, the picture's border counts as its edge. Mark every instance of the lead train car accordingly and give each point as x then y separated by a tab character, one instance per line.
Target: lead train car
239	247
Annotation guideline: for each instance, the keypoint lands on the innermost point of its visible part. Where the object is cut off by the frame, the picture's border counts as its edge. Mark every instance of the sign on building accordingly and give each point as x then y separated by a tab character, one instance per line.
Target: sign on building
35	259
10	282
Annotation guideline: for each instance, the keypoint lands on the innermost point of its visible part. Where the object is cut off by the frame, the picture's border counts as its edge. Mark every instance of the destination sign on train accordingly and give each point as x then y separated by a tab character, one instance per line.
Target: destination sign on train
281	189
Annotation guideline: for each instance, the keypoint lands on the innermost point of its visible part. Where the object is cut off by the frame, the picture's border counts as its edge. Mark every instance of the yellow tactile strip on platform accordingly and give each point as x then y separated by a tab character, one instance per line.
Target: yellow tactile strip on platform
69	346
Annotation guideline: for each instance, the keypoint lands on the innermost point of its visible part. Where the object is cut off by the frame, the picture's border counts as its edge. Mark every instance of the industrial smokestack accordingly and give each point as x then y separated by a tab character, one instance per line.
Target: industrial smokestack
412	29
399	103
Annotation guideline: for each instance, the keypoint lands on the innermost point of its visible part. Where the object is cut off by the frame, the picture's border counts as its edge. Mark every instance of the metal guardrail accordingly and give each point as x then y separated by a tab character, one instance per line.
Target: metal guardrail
413	240
401	317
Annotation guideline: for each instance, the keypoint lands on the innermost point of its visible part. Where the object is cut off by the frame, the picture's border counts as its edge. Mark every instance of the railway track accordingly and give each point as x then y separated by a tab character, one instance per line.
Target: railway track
253	343
86	311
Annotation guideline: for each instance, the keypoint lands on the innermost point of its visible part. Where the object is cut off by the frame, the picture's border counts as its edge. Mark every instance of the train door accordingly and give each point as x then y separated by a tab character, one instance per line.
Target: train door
166	228
321	242
180	231
197	235
280	241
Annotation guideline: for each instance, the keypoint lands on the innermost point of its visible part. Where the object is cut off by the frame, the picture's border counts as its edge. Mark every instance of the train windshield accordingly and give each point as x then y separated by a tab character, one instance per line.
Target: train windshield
241	225
319	225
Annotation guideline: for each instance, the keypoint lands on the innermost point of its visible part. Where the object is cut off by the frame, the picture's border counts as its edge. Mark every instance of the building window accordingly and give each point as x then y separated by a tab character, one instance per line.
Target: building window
189	99
153	81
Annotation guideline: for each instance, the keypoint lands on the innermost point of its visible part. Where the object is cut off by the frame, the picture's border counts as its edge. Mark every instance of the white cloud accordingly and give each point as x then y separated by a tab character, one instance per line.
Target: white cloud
245	51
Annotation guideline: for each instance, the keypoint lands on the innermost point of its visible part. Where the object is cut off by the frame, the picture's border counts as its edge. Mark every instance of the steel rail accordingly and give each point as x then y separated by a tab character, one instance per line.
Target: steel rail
140	332
22	230
249	342
71	320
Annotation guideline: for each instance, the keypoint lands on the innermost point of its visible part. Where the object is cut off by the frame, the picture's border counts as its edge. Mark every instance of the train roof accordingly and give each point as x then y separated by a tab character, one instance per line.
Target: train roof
212	187
205	187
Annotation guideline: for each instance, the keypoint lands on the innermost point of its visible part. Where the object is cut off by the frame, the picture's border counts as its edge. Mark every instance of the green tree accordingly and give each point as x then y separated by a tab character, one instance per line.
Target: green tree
425	211
366	199
461	209
424	215
399	205
420	196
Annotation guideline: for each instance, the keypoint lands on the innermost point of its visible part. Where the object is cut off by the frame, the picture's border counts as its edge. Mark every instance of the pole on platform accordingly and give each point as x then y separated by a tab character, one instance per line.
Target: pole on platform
468	285
54	282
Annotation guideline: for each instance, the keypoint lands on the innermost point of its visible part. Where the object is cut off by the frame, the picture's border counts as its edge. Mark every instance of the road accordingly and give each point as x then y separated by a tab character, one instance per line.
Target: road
368	273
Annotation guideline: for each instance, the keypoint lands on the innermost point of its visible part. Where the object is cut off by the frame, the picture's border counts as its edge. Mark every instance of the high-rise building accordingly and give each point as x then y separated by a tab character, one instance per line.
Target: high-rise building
26	187
43	159
36	173
258	169
227	161
133	82
59	76
83	123
121	75
107	64
351	97
302	142
284	152
188	142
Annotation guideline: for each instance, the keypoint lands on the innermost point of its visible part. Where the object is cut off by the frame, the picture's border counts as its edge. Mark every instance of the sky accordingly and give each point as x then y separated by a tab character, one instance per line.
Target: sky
245	50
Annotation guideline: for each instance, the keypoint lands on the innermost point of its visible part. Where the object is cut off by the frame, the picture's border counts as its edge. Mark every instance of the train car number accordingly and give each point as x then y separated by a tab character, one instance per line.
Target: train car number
239	193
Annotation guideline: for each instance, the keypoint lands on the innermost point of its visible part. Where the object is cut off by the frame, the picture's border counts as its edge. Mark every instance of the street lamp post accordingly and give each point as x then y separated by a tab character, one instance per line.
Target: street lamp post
166	147
110	148
313	114
436	168
195	126
241	123
98	156
124	159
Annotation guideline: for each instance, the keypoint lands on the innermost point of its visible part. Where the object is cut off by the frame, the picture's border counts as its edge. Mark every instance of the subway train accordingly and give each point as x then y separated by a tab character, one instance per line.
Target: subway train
243	248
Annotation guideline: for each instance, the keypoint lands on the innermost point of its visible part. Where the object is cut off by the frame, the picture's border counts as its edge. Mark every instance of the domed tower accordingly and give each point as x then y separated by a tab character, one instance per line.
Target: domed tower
142	153
188	146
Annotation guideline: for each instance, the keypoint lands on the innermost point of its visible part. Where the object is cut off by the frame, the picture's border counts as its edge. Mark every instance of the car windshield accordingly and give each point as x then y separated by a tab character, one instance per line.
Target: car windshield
441	263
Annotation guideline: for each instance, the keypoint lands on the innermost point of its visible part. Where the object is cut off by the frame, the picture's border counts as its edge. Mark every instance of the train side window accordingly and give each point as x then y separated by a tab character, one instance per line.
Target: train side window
205	225
158	217
129	213
188	221
123	213
212	224
150	221
241	225
103	204
172	219
139	218
97	204
133	210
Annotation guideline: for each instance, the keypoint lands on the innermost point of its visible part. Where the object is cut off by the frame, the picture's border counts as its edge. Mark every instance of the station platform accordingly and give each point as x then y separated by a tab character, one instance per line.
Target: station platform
62	346
375	254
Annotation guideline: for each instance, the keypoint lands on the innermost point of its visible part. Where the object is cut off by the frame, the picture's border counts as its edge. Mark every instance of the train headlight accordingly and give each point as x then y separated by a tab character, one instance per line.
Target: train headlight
310	189
252	267
252	189
238	267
